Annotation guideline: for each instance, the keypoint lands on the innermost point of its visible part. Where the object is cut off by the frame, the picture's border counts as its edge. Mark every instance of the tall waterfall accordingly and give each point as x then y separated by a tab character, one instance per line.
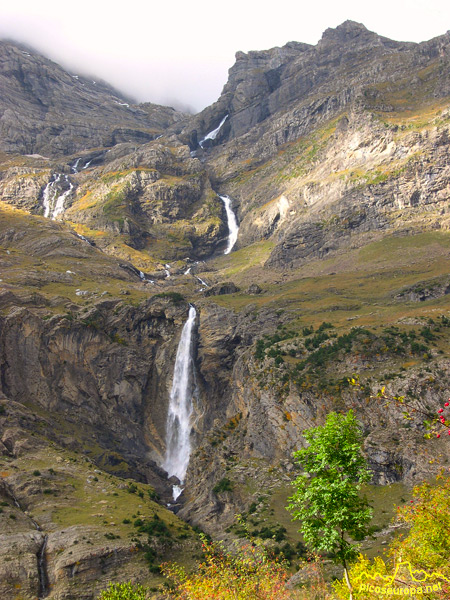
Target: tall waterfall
178	446
233	227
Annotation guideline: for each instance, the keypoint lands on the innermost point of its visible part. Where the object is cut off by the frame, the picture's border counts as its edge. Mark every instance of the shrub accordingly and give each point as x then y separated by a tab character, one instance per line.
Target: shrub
249	573
174	296
124	591
426	548
224	485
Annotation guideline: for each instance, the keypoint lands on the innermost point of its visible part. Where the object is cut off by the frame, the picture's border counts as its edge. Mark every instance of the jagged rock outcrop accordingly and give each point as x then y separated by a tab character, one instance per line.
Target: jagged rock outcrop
368	176
221	289
156	199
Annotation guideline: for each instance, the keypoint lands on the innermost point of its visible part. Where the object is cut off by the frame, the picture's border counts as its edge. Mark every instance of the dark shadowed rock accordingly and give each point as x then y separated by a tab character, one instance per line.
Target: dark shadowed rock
221	289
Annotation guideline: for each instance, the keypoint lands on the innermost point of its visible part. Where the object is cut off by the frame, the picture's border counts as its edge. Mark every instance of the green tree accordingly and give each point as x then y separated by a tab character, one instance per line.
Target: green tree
327	498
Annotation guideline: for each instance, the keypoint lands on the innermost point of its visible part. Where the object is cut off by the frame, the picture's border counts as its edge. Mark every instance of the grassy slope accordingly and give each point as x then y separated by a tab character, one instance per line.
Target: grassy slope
39	254
360	284
85	509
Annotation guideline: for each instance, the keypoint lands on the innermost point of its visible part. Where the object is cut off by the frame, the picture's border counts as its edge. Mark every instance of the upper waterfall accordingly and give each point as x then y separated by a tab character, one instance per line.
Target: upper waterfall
213	134
233	227
178	446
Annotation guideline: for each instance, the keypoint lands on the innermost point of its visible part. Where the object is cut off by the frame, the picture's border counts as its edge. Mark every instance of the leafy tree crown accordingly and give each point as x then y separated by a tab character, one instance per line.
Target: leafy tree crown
327	497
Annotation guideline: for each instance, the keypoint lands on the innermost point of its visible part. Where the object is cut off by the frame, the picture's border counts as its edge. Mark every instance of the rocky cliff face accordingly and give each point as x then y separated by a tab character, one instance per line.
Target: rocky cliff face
46	110
304	84
100	370
149	205
335	157
68	526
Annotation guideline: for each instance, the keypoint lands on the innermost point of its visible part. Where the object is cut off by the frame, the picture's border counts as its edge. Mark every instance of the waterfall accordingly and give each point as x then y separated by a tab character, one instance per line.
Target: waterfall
213	134
41	557
84	239
233	227
144	278
74	167
60	201
54	202
201	281
49	194
178	446
42	570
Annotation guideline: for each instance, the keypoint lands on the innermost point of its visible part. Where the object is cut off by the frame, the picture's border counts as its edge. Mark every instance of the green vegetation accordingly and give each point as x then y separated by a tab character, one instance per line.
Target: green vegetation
425	550
105	505
124	591
248	572
115	205
326	500
174	296
255	571
44	276
155	529
313	359
224	485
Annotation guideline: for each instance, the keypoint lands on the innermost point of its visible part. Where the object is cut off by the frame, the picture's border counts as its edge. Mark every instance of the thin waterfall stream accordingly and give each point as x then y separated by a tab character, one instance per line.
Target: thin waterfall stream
44	586
178	430
233	227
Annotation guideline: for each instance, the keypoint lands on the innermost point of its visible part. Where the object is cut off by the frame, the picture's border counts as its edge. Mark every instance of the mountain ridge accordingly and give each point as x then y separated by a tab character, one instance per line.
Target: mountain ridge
47	110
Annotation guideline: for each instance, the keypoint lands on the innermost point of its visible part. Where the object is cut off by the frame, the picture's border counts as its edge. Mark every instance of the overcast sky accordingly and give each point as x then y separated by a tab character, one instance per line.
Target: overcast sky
178	52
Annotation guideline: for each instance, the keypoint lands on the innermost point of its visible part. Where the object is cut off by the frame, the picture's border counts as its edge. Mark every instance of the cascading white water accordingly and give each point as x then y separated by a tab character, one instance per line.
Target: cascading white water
52	201
144	278
178	445
213	134
75	166
233	227
83	238
201	281
60	201
49	194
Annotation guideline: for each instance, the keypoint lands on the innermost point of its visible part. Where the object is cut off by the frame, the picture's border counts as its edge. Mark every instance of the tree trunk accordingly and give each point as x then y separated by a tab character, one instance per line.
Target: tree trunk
347	581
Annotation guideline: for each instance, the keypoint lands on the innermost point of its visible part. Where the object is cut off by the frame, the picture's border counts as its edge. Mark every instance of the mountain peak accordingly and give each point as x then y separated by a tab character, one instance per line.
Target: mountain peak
351	32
